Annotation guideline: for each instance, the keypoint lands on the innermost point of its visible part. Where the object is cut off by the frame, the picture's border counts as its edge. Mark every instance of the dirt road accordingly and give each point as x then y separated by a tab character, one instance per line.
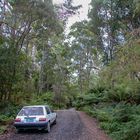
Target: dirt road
71	125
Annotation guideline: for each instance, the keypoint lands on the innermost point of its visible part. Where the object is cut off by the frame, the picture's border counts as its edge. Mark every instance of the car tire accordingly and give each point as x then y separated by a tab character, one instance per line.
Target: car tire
54	121
48	127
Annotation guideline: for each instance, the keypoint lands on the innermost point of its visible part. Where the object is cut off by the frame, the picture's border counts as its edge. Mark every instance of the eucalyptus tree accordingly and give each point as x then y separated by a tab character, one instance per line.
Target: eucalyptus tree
66	9
111	21
84	53
25	23
116	24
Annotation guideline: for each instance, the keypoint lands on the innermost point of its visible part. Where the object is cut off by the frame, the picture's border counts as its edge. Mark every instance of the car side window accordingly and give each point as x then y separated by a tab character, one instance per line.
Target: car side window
47	110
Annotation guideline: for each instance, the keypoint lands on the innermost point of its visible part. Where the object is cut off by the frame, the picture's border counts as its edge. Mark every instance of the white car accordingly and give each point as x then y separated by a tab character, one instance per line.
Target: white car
35	117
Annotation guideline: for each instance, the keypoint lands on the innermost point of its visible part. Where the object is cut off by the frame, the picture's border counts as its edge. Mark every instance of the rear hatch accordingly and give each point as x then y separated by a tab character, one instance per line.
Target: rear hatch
31	115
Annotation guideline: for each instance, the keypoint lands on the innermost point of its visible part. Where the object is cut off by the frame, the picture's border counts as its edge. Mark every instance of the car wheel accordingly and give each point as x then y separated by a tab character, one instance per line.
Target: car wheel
48	127
54	121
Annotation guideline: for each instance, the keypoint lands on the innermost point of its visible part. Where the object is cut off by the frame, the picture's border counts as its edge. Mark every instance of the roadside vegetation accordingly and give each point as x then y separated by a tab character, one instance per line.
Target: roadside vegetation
95	67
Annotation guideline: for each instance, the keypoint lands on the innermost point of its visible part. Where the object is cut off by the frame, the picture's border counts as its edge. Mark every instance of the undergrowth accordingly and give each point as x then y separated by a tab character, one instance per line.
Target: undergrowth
121	120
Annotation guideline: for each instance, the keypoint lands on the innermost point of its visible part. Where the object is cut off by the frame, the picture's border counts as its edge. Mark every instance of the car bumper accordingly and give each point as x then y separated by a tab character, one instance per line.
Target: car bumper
42	125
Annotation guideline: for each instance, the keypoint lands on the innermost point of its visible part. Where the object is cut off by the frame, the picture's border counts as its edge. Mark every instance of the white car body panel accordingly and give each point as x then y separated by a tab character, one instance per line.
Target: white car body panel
33	120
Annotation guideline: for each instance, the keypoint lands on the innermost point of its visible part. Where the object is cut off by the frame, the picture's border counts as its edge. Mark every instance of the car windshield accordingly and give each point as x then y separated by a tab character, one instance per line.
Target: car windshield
31	111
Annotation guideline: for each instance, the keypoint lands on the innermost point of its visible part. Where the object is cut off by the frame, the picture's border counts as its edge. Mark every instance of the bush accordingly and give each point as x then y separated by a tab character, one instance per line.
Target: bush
88	99
9	109
2	128
47	99
89	110
120	120
5	119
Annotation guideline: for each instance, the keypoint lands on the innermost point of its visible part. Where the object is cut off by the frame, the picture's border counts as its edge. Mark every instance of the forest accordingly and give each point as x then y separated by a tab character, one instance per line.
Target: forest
95	67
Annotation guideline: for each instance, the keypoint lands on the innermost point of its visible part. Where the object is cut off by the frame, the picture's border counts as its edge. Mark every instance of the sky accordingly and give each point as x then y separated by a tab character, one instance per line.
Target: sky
83	10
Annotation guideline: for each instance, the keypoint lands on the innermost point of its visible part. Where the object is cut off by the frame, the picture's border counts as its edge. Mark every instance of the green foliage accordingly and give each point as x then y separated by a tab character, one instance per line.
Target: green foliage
121	77
8	112
89	110
100	59
88	99
47	99
3	128
114	108
121	121
26	61
10	109
4	119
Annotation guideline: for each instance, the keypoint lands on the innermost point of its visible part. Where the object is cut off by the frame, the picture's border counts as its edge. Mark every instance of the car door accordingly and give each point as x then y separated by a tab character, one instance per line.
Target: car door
49	114
53	115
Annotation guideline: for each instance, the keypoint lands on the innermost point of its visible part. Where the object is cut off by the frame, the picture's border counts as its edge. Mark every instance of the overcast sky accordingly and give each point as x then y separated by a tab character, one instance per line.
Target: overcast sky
83	10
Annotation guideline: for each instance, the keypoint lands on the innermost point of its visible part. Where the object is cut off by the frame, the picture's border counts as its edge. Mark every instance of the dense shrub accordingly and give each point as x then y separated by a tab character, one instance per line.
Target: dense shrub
9	109
120	121
90	98
2	128
47	99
